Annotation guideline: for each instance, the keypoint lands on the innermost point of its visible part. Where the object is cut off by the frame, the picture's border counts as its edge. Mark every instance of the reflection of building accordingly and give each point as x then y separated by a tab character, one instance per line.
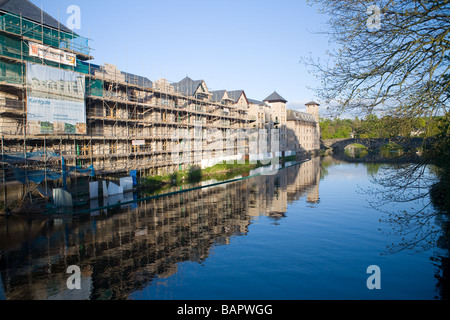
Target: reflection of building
131	247
268	196
305	182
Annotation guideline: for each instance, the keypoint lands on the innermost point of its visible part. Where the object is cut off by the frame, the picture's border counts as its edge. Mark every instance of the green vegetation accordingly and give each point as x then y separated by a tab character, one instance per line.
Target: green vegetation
439	155
392	146
337	128
232	168
391	150
356	151
221	172
384	127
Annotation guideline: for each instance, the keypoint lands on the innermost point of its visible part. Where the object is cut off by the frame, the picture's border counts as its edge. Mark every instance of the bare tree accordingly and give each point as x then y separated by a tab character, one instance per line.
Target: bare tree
390	56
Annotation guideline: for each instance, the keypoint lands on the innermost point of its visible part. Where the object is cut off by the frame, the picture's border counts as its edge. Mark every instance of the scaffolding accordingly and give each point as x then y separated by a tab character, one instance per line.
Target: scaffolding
138	125
30	164
133	124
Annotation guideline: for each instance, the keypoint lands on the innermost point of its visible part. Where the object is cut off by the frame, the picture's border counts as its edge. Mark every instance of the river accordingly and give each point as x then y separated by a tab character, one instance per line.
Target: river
308	232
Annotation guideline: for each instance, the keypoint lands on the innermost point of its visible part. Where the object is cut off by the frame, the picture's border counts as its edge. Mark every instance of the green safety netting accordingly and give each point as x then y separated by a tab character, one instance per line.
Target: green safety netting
11	73
48	36
14	48
94	87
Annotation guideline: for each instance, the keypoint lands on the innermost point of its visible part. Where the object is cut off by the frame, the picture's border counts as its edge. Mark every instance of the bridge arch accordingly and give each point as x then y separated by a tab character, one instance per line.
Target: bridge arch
342	144
339	145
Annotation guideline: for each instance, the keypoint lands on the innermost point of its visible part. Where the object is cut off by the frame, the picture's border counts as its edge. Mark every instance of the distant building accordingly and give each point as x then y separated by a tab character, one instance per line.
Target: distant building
304	129
278	117
303	132
418	132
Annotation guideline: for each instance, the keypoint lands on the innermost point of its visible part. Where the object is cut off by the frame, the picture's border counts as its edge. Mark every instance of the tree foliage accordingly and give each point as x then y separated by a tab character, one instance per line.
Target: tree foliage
385	127
337	128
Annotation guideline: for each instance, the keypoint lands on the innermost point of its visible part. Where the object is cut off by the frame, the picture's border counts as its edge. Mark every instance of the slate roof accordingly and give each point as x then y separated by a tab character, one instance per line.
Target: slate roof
217	95
31	12
312	103
235	95
293	115
129	77
275	97
187	86
257	102
138	80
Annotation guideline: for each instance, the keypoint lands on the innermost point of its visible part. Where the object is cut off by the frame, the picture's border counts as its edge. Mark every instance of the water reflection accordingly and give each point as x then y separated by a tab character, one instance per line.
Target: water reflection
386	152
392	151
413	210
356	152
126	248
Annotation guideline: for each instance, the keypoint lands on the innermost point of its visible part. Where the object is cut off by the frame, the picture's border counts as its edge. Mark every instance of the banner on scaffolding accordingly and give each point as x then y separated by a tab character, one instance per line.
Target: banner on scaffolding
51	54
56	101
138	143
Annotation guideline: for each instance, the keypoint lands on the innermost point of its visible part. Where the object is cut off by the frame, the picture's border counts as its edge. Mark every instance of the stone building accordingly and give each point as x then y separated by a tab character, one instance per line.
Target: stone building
304	129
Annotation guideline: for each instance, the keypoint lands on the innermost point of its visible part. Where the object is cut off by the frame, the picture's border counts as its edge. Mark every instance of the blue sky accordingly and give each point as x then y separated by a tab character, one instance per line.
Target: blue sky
254	45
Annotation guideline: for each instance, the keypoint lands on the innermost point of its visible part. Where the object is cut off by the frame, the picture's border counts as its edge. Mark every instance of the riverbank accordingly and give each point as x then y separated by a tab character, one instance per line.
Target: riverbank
151	185
220	172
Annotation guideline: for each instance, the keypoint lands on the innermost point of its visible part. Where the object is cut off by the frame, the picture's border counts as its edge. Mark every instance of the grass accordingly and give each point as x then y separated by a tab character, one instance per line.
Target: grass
221	172
195	174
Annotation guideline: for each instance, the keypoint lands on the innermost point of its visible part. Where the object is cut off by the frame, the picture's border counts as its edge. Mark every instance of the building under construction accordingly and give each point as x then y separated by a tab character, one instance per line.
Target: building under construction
61	114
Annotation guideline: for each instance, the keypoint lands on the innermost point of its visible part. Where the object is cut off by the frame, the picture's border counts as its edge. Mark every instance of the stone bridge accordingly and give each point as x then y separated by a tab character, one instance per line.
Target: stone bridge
374	145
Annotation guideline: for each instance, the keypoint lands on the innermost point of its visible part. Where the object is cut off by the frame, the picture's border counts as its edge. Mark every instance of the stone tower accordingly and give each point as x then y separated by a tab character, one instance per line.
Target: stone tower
313	108
278	107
